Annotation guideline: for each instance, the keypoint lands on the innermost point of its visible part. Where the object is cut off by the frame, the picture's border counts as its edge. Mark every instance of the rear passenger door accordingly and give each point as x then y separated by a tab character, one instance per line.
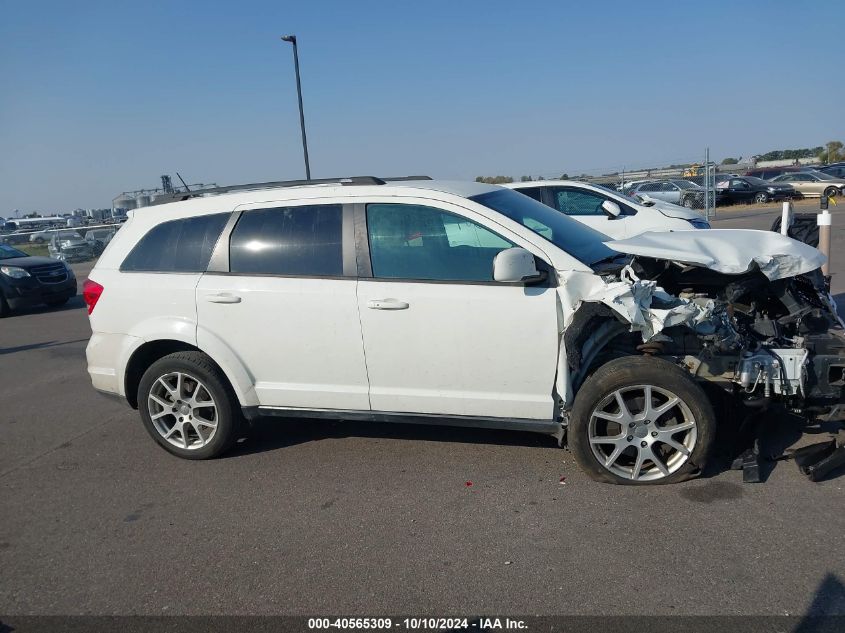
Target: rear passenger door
280	294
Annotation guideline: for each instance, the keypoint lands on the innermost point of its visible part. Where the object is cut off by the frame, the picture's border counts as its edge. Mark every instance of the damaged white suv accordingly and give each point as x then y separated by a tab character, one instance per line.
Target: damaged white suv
453	303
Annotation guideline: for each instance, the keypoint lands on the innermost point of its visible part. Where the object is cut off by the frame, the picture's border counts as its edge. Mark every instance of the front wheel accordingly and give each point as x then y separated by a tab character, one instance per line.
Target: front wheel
830	192
187	406
641	420
761	197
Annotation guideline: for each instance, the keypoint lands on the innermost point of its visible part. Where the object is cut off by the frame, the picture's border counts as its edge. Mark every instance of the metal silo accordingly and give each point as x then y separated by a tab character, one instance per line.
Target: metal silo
142	201
124	202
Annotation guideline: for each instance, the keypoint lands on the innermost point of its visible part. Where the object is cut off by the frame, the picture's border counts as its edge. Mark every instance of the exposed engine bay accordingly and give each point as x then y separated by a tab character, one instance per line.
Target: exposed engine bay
755	318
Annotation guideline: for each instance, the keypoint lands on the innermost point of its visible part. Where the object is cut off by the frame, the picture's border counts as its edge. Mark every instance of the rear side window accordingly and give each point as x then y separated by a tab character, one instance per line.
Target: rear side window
304	240
178	246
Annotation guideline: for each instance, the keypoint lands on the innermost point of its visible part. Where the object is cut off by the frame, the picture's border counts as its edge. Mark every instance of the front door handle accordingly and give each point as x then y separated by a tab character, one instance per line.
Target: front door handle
386	304
223	297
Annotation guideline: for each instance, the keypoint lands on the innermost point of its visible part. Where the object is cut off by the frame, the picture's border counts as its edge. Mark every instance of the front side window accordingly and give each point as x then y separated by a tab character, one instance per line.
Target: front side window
304	240
573	202
178	246
419	242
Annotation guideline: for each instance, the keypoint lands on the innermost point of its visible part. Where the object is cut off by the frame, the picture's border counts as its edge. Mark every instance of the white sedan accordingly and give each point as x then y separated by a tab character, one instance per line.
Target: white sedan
610	212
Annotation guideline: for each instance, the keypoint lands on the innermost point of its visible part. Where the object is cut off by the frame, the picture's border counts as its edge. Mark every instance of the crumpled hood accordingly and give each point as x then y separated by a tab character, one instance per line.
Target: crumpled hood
729	251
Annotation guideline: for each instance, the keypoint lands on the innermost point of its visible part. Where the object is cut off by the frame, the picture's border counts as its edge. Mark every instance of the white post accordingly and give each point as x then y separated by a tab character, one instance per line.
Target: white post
824	220
786	217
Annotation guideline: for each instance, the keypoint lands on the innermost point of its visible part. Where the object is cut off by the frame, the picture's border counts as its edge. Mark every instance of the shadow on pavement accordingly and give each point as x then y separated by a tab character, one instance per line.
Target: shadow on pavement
74	303
829	600
46	344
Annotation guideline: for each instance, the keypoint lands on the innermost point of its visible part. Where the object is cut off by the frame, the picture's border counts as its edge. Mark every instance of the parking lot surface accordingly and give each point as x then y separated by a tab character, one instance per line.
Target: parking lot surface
312	517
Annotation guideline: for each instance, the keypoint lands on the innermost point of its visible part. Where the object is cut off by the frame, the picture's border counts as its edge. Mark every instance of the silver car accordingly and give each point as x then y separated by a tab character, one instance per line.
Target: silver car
69	246
681	192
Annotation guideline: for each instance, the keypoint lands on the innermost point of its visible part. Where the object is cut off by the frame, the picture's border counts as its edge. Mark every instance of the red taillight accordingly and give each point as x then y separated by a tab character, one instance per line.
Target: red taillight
91	292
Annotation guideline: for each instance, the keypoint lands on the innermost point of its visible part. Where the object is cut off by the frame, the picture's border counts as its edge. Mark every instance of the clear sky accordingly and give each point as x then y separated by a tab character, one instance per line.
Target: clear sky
101	97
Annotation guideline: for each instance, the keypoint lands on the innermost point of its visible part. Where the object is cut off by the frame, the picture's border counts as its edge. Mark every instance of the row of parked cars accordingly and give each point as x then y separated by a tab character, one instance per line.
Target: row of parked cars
70	245
756	186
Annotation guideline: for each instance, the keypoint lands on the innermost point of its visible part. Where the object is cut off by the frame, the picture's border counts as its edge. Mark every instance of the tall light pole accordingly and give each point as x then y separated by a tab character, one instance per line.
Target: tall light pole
292	40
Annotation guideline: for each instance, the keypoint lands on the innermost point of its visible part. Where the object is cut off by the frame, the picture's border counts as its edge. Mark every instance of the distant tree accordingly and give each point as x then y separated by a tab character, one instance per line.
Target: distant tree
525	179
564	176
831	152
494	180
730	161
540	178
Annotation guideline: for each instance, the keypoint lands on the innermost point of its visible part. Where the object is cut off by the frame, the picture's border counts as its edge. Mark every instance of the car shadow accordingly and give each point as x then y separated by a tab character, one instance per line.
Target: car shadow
44	345
74	303
272	433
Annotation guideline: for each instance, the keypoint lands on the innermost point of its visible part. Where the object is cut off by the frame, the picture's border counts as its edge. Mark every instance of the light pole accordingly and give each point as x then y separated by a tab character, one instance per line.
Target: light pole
292	40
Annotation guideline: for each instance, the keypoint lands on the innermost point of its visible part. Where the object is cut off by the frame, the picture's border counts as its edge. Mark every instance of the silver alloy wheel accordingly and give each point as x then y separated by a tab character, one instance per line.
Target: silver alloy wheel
182	410
761	198
642	433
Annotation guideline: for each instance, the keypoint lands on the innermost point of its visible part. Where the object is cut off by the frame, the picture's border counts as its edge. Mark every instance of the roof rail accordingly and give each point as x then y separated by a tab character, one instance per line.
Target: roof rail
279	184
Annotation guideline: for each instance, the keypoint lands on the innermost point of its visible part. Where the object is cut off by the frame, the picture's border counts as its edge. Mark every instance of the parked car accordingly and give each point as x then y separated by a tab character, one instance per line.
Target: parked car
42	236
767	173
99	238
837	170
20	236
750	189
812	184
613	213
26	280
454	303
677	191
70	246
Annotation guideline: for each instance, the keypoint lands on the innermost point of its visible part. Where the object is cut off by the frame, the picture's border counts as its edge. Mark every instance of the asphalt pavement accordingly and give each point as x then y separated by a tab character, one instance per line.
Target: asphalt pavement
312	517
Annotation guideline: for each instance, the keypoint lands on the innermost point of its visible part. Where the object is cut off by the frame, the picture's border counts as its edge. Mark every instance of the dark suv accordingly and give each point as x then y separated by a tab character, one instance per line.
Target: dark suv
26	280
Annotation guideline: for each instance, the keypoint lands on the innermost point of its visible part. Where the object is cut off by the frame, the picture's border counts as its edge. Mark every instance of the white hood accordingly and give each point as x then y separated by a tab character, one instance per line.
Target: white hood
672	210
729	251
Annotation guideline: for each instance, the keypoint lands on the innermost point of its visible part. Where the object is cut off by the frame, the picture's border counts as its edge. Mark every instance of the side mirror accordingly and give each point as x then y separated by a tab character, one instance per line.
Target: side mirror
516	264
611	208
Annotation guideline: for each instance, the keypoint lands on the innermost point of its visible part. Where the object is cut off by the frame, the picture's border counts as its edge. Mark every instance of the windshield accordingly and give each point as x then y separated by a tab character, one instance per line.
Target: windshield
756	181
583	243
7	252
685	184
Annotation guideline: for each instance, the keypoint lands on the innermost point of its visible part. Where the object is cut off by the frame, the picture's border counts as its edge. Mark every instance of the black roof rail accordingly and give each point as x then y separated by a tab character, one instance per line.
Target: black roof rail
279	184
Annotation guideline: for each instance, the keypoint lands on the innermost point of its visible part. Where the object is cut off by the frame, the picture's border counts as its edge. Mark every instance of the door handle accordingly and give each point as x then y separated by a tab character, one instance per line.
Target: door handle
387	304
223	297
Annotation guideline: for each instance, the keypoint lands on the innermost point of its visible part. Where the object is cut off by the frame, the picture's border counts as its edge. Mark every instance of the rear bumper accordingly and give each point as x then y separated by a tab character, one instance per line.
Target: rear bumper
107	356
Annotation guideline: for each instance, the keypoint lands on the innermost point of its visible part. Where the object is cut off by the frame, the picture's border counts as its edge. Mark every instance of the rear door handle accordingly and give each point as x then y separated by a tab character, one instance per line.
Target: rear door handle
386	304
223	297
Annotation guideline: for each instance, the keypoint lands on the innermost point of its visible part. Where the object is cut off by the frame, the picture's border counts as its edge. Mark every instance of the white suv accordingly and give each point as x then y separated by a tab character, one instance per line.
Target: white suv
615	214
451	303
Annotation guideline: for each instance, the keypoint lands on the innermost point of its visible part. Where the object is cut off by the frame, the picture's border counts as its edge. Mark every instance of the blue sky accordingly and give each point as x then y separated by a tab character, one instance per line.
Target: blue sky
101	97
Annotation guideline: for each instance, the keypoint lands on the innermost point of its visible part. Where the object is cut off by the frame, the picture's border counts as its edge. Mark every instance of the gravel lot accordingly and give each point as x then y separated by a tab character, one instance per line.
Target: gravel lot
312	517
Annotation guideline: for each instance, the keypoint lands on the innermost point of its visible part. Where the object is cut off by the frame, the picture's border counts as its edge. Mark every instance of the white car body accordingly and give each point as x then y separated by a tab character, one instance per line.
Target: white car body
476	351
636	217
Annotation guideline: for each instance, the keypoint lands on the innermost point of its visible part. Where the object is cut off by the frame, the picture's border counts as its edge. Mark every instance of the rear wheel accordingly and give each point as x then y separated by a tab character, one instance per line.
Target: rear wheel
830	192
761	197
4	306
641	420
188	407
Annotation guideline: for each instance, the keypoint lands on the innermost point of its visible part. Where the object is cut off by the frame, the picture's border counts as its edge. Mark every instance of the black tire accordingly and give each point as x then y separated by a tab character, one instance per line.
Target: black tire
830	192
202	368
632	371
761	198
689	202
57	303
4	306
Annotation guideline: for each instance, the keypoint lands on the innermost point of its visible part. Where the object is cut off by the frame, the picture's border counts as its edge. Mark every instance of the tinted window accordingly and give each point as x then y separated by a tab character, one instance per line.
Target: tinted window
180	246
571	236
532	192
417	242
573	202
303	240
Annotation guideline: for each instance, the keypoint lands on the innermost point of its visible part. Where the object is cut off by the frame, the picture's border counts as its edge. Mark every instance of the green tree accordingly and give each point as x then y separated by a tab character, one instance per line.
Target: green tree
831	152
730	161
494	180
525	179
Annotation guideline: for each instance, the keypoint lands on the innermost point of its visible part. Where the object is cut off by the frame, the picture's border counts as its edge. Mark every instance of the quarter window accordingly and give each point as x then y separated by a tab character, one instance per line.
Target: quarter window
419	242
178	246
304	240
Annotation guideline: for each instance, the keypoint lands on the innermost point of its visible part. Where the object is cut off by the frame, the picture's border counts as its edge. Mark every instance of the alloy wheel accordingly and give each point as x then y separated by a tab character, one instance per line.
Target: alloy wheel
182	410
642	433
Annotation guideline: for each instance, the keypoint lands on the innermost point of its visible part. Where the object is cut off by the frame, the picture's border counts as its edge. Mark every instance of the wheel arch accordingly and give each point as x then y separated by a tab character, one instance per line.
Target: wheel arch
150	351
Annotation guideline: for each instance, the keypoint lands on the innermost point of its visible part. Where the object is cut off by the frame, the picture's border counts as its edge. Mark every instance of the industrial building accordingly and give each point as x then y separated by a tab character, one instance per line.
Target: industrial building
129	200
